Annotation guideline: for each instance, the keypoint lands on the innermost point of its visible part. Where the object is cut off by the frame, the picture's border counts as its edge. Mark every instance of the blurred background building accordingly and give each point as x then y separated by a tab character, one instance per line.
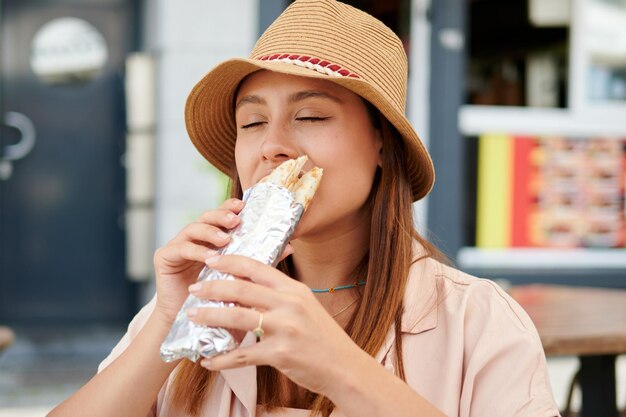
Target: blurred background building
521	102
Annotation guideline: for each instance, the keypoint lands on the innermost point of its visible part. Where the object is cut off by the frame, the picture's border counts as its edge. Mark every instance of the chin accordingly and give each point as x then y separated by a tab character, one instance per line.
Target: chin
302	228
309	225
314	225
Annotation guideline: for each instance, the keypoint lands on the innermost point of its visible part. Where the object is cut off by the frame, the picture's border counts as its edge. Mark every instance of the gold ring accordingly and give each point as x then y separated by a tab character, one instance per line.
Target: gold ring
258	330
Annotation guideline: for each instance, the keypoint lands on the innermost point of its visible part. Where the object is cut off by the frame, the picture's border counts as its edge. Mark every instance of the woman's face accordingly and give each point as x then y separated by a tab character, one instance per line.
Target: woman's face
281	117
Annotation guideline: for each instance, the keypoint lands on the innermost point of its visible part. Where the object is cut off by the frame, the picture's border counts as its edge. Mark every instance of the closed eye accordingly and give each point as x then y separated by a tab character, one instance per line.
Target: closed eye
250	125
311	119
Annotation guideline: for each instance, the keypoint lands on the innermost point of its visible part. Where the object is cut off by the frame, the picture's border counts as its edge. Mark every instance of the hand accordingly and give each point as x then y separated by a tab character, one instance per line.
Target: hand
300	338
178	263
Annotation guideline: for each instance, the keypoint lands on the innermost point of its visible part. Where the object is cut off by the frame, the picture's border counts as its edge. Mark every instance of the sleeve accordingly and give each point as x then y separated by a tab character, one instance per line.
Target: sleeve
134	328
504	363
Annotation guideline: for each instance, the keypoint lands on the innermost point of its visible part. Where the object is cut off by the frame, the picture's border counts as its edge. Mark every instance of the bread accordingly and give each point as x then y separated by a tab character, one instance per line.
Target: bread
287	175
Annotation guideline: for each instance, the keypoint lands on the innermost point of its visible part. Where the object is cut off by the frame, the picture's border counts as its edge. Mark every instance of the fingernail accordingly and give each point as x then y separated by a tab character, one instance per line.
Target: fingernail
206	363
195	287
231	216
222	235
192	312
212	260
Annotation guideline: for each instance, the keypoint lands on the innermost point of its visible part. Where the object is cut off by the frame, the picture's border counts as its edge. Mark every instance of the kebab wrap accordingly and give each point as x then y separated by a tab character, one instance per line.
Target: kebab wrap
273	207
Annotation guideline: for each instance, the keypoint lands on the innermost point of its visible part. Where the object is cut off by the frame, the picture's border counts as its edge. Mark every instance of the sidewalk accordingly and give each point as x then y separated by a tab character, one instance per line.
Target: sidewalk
45	366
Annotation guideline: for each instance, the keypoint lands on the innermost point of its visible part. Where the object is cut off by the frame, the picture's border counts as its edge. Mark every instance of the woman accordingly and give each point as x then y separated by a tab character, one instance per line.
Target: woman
405	335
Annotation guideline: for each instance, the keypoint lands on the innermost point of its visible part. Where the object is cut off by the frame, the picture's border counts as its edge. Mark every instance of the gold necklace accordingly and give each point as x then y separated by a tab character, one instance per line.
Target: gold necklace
344	309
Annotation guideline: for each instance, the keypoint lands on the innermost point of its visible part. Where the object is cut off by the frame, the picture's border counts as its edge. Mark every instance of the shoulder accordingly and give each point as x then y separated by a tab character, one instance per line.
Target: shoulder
458	294
476	341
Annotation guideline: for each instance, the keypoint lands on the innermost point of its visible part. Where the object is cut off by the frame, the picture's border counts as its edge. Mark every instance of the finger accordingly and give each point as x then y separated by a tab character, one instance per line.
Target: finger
237	291
233	204
240	318
202	232
185	251
242	266
243	356
222	217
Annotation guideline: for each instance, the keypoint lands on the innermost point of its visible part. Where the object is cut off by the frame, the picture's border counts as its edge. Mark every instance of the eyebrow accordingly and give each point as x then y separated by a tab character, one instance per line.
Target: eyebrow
303	95
249	100
293	98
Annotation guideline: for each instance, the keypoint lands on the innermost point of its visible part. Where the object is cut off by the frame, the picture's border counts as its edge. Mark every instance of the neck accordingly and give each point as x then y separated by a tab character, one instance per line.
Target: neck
329	261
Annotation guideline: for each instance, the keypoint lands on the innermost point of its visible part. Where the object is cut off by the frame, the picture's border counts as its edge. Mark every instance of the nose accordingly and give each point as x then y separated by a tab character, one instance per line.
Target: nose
278	145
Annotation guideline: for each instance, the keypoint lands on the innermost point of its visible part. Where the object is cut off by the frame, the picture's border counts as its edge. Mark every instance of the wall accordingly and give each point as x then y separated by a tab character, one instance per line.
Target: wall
187	40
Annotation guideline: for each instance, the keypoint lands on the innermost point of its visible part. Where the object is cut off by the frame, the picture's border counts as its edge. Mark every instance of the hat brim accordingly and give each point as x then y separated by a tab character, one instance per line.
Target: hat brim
210	118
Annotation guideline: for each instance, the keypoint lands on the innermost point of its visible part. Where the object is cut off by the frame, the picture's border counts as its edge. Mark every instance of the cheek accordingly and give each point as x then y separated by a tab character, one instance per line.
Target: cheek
336	205
350	164
244	163
340	198
348	187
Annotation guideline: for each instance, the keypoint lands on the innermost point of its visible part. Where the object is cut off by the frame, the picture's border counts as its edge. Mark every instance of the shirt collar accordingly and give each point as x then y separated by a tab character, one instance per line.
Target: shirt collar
421	293
242	381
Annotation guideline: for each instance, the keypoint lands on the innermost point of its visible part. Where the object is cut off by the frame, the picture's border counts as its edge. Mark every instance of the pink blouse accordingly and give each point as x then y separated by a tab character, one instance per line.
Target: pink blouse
468	348
284	412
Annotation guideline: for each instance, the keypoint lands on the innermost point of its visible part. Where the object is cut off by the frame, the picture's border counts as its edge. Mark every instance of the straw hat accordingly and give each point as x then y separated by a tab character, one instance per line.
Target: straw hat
322	39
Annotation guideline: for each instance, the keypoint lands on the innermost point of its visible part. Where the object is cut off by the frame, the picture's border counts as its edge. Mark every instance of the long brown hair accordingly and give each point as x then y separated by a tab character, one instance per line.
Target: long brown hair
391	239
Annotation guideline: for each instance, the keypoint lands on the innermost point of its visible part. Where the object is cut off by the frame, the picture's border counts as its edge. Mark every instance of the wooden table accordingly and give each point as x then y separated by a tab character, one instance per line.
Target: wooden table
586	322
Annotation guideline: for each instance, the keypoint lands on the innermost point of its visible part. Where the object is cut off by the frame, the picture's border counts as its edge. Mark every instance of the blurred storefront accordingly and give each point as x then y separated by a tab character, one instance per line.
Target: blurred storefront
544	142
61	179
97	170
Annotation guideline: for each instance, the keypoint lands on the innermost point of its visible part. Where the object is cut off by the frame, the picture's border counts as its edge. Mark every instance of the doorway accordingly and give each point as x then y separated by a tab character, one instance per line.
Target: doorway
61	175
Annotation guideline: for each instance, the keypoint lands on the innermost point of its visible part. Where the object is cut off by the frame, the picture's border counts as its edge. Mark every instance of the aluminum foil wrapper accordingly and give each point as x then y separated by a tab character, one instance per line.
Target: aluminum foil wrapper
268	219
